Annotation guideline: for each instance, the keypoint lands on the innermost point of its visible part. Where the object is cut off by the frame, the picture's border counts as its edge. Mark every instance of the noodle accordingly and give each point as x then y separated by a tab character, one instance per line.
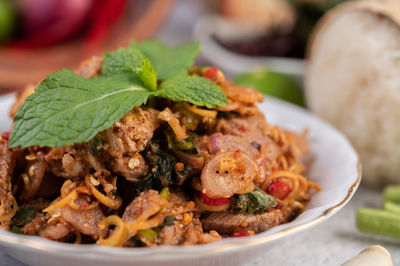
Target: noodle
119	234
9	216
111	203
201	112
167	116
61	203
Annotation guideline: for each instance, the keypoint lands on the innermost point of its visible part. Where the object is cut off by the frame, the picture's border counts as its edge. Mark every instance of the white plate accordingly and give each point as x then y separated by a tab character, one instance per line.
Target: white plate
335	167
233	63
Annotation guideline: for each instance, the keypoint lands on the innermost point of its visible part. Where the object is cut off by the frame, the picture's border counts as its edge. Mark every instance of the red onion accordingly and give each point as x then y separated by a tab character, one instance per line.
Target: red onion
215	143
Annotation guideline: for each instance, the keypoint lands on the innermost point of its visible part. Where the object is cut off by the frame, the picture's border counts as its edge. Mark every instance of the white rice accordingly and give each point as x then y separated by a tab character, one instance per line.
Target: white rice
353	81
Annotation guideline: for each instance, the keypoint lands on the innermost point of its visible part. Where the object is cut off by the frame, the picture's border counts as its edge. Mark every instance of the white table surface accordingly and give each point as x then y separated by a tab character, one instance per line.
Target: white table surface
330	243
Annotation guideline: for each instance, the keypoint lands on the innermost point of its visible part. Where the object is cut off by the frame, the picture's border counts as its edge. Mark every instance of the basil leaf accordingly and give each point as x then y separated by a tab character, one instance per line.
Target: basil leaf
96	145
130	60
196	90
16	230
26	212
169	220
67	108
170	61
256	202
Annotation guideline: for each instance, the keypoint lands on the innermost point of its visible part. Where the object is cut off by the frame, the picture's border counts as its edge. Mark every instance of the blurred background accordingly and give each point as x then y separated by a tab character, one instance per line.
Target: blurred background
38	37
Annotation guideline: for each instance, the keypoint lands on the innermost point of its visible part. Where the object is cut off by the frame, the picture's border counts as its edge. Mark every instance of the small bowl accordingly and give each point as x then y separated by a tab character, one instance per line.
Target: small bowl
232	63
333	164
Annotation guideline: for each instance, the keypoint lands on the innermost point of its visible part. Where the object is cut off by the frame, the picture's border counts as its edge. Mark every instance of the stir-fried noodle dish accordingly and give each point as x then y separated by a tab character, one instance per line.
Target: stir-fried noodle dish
176	167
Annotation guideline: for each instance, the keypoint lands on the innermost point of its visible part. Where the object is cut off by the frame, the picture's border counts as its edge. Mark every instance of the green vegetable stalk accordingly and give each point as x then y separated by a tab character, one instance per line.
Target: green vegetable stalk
392	193
382	222
392	207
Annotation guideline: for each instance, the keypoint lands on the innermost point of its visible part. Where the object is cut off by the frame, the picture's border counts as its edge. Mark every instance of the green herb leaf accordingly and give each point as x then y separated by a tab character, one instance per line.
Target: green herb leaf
256	201
169	220
130	60
170	61
96	144
148	75
16	230
26	212
22	217
196	90
67	108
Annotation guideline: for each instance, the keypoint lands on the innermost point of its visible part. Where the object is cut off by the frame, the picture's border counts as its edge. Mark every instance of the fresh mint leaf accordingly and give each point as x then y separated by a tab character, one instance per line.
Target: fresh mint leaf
170	61
196	90
67	108
148	75
130	60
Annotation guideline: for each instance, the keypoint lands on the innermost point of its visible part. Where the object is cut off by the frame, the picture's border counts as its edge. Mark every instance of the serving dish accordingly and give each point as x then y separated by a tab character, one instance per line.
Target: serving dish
232	63
333	164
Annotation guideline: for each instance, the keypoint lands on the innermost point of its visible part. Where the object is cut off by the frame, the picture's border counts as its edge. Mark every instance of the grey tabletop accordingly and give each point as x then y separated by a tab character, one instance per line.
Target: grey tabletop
330	243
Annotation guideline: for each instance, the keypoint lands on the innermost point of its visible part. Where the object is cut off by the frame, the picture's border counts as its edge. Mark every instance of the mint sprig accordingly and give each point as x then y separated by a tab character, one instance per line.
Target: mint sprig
67	108
130	60
197	90
170	61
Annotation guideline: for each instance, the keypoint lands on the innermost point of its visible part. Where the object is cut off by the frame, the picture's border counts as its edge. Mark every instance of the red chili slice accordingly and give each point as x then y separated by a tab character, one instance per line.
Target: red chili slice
279	189
241	233
211	74
212	201
215	75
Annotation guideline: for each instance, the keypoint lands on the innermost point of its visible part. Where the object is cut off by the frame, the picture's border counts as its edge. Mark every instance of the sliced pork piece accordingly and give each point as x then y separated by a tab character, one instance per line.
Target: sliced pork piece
219	142
36	169
191	233
86	222
131	133
7	162
131	167
254	129
56	231
227	222
70	161
144	206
